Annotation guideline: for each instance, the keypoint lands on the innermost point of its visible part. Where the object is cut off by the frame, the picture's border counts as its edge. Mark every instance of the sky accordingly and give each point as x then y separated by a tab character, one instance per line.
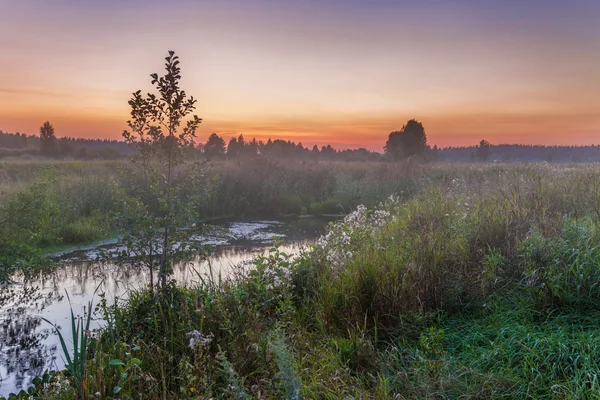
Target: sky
345	72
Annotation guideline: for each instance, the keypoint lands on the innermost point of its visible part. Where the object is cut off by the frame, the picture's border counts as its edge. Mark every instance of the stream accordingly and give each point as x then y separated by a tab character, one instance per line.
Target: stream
29	346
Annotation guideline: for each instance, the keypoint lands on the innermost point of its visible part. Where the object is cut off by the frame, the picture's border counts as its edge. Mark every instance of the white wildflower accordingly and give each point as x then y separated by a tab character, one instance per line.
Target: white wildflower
358	218
277	276
198	340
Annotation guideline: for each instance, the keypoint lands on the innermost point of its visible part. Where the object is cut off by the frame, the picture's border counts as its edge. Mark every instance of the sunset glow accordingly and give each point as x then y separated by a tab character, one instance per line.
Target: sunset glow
339	72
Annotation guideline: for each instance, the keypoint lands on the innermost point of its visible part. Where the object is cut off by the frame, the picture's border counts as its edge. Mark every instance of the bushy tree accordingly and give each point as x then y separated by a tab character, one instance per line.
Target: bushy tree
410	140
156	213
483	150
233	148
47	139
214	146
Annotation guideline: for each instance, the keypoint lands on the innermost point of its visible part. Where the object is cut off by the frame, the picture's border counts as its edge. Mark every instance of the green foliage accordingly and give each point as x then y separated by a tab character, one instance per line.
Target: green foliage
494	270
28	221
128	374
431	346
233	383
84	230
31	215
565	270
356	351
288	380
18	256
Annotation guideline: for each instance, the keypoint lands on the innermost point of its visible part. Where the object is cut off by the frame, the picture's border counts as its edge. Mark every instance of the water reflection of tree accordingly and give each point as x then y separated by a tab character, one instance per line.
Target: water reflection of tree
22	350
25	351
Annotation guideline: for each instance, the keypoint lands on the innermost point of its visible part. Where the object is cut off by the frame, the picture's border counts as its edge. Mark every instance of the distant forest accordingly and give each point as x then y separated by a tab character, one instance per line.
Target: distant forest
521	152
20	144
17	145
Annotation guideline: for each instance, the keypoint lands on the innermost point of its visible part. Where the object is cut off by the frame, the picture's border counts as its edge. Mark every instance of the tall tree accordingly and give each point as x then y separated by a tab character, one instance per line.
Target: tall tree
156	132
47	139
252	148
241	142
410	140
233	148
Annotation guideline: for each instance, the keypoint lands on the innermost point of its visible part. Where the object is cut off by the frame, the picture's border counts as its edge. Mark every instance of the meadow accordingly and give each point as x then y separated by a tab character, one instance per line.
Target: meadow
46	205
446	281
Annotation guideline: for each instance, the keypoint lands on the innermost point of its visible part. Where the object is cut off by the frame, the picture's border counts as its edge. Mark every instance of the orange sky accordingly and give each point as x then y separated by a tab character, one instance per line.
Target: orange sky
340	72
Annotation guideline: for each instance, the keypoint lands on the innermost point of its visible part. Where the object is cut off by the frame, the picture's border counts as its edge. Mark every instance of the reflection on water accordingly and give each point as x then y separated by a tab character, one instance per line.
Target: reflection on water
24	347
28	346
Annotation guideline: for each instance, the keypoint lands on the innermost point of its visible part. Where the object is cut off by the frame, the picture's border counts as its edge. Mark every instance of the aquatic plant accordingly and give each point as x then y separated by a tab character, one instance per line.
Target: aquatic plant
80	334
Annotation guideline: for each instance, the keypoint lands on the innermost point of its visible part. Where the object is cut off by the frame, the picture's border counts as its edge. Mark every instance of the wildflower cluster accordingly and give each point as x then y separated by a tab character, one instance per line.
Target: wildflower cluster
457	186
379	217
277	277
340	239
198	340
357	219
276	272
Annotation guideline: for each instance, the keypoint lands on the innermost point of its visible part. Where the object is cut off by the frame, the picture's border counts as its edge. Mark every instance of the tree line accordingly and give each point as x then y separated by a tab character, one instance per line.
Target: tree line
518	153
409	141
48	145
216	148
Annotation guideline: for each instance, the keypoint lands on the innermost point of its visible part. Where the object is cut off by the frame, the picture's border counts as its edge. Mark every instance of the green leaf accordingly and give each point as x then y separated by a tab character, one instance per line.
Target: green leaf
134	361
116	361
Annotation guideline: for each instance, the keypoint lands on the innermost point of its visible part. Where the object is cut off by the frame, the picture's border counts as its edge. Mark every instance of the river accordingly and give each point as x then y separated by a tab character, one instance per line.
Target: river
29	346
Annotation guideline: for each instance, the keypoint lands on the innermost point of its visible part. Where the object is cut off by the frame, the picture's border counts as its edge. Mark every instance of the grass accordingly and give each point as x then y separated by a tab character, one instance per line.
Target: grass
477	281
528	355
80	328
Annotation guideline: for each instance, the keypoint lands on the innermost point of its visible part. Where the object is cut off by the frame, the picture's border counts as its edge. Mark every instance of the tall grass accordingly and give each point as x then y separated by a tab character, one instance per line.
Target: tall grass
80	331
